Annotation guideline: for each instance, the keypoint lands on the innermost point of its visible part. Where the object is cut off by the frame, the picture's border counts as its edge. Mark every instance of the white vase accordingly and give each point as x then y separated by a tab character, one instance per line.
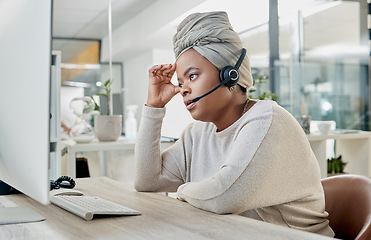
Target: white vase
304	122
107	127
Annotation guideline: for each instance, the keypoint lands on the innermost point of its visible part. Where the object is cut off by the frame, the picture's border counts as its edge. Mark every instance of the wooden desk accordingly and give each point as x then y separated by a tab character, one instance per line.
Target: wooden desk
121	144
355	149
162	218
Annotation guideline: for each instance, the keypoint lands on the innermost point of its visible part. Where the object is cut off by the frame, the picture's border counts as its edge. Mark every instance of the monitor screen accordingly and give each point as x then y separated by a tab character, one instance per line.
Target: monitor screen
25	59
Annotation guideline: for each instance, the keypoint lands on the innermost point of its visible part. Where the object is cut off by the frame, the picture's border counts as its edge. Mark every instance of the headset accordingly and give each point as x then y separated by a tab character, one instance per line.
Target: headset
228	76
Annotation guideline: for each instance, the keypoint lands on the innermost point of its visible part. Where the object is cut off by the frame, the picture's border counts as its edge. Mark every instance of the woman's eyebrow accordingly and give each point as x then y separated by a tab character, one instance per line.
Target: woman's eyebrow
189	69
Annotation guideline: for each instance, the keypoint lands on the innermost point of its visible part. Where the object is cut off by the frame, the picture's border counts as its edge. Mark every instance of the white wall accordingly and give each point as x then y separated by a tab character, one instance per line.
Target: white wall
136	81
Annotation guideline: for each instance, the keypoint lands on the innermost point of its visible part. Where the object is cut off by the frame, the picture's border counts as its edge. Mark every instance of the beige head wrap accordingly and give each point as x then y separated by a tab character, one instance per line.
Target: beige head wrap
212	36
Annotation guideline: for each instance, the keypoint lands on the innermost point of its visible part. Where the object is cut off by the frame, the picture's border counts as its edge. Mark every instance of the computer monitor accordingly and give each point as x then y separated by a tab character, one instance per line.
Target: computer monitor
25	60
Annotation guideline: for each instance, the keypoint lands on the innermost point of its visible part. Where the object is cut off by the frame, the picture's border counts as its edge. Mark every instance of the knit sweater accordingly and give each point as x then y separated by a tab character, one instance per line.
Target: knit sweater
261	166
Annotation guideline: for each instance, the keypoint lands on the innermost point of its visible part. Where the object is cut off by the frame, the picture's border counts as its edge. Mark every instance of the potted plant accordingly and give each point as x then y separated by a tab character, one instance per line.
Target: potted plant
335	165
107	127
257	83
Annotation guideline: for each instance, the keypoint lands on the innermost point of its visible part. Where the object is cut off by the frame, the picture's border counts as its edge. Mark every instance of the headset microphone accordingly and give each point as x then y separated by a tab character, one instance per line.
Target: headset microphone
198	98
228	75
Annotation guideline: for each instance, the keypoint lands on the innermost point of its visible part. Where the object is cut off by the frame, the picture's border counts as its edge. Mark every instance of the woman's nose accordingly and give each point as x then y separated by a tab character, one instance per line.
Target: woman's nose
185	90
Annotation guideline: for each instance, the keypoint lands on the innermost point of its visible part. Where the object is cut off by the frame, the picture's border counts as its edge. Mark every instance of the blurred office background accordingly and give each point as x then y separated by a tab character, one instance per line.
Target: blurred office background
313	54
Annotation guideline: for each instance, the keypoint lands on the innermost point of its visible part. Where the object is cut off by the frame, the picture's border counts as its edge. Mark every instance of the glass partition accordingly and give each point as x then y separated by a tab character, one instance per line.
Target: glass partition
323	66
325	91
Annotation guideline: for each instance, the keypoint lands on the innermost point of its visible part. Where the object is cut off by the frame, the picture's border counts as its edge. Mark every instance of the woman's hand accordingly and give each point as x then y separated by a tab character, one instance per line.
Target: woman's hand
160	89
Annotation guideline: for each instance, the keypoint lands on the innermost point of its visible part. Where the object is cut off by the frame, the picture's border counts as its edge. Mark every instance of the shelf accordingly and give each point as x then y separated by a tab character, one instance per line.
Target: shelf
354	148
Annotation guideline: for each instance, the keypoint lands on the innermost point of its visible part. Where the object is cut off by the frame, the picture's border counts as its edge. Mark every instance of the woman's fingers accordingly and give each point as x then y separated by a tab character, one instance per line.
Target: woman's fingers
154	68
161	90
162	70
163	73
169	72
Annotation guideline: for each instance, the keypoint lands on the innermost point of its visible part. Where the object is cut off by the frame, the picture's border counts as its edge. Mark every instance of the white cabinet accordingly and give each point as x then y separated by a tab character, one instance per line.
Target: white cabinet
354	148
122	144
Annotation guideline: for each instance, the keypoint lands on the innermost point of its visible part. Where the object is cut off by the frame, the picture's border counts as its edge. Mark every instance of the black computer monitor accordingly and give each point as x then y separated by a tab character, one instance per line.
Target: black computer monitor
25	60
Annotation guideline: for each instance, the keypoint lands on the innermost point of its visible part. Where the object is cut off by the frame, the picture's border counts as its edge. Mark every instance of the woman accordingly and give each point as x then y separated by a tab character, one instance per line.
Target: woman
242	156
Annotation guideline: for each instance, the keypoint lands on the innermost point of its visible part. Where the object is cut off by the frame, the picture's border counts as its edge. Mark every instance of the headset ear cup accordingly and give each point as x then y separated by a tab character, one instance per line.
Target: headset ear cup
229	75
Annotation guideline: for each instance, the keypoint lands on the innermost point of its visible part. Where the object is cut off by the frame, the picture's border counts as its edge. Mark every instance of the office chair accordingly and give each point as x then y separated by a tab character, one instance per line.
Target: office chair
348	202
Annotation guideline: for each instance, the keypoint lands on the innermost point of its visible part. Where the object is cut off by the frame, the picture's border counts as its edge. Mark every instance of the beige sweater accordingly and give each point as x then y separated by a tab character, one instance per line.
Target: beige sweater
262	166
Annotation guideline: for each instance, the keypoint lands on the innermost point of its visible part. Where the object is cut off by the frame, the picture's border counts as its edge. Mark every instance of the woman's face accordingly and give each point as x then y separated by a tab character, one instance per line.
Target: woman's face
196	76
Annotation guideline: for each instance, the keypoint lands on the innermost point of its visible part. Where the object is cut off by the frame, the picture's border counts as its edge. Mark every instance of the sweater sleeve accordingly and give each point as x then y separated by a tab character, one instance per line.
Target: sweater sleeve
154	172
270	163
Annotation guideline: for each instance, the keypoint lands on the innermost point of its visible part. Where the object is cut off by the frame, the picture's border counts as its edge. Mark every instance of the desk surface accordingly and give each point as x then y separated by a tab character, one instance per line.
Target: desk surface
162	218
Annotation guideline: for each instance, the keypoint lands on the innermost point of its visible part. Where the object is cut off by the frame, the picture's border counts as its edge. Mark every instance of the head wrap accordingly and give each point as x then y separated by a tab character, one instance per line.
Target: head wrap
212	36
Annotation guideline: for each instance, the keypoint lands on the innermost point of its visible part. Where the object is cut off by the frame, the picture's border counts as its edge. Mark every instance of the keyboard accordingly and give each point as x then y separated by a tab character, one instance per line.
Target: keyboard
87	207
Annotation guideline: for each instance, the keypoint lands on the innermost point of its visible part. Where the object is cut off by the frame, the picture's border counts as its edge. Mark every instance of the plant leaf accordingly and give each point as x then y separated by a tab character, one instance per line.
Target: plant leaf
107	83
101	94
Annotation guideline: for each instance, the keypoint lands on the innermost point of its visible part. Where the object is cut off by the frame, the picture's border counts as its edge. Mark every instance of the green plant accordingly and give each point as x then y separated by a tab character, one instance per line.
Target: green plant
261	79
335	165
106	92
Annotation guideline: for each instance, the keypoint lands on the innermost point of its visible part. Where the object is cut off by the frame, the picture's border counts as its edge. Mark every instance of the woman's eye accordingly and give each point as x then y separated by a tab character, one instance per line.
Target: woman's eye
180	84
192	76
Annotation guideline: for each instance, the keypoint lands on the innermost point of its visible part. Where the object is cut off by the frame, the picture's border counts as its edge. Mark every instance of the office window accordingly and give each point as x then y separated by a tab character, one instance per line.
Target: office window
256	41
323	66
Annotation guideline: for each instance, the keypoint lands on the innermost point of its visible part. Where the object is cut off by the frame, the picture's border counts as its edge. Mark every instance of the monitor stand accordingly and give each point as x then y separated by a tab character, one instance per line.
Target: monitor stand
12	215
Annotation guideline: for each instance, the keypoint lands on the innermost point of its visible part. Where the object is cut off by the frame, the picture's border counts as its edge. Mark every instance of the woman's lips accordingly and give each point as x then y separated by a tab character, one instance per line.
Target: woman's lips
189	104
